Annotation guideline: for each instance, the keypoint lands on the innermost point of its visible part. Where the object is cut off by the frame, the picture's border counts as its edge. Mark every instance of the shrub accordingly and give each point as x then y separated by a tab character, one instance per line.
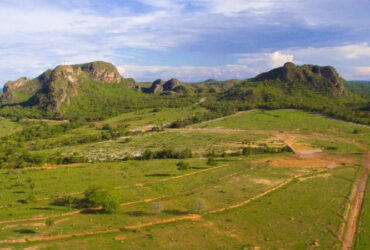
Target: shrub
211	161
98	196
182	166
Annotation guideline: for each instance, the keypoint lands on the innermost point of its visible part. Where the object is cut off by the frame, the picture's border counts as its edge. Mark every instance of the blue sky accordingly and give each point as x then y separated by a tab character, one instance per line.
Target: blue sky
192	40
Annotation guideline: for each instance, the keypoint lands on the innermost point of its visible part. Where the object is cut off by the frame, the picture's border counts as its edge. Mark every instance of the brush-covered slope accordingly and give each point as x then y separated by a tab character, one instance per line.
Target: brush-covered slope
360	88
88	91
307	87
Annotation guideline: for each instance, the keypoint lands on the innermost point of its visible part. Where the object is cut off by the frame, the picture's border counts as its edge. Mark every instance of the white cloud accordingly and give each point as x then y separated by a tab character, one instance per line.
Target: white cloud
350	60
278	59
187	73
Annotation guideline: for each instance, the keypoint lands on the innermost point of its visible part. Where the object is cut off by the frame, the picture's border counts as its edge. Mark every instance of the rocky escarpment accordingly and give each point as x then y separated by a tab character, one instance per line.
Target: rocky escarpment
9	94
324	78
165	88
61	83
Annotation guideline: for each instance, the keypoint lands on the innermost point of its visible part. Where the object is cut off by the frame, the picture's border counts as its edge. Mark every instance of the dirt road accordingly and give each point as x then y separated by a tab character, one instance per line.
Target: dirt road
350	234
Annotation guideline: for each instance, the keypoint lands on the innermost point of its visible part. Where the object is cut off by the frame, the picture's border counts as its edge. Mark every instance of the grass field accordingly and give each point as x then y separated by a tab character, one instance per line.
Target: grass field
363	239
260	201
7	127
286	213
295	121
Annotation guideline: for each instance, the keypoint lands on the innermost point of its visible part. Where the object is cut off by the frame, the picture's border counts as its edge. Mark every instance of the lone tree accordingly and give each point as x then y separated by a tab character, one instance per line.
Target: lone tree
247	151
182	166
211	161
99	196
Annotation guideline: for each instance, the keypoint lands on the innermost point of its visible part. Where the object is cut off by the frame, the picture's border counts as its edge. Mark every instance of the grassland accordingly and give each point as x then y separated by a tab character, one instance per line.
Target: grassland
363	241
243	202
294	121
281	214
7	127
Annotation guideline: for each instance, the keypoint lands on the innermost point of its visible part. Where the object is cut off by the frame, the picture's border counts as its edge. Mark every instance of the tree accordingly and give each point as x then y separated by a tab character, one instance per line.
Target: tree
99	196
247	151
182	166
211	161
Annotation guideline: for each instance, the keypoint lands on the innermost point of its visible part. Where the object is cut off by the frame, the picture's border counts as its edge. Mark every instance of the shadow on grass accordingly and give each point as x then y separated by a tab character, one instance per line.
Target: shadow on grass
175	212
41	208
138	213
158	175
25	231
199	168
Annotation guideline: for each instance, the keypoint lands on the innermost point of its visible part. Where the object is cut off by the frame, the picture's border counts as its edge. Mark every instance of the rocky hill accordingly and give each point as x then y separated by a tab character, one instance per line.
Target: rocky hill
97	90
325	78
169	87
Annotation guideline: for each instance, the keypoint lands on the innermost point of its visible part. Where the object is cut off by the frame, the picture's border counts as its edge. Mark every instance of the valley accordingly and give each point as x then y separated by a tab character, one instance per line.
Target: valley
94	160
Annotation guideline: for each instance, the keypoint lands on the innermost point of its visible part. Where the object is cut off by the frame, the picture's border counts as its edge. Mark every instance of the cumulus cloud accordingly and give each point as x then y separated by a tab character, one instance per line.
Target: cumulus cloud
277	59
36	34
187	73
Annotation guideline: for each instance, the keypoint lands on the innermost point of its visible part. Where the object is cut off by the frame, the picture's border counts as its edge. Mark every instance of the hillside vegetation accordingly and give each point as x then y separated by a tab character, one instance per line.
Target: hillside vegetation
96	91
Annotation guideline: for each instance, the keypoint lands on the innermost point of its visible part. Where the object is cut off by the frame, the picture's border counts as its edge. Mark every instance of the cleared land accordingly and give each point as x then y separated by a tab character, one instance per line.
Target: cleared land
260	201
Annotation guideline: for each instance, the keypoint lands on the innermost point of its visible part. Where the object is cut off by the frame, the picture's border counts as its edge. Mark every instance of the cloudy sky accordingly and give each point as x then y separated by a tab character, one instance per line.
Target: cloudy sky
189	39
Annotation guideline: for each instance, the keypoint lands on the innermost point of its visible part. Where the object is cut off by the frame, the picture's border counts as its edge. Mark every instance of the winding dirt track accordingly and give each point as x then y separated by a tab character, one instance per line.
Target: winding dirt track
350	234
191	217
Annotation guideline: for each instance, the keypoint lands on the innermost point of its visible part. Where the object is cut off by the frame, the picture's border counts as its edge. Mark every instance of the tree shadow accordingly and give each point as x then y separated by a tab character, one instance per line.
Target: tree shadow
158	175
24	231
198	167
175	212
137	213
41	208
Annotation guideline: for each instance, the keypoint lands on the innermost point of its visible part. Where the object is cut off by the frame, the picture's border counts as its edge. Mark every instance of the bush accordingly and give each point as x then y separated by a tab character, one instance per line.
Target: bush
98	196
211	161
182	166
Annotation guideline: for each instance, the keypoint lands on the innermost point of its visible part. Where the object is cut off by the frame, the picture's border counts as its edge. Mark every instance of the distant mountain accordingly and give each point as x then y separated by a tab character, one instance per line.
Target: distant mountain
96	90
307	87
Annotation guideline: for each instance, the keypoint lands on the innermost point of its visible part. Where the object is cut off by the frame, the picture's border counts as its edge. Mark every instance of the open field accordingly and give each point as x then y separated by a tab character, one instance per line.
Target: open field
8	127
228	219
293	121
255	201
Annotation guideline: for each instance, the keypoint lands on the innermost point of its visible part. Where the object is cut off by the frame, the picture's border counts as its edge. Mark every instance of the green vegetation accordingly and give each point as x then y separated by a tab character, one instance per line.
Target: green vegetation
295	121
363	241
180	168
359	88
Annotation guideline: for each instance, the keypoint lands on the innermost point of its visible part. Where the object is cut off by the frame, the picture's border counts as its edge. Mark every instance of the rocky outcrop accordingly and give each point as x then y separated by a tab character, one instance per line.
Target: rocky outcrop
12	87
171	84
323	78
160	86
157	86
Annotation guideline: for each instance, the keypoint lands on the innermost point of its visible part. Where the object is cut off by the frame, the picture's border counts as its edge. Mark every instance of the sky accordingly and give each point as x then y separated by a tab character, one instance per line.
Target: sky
192	40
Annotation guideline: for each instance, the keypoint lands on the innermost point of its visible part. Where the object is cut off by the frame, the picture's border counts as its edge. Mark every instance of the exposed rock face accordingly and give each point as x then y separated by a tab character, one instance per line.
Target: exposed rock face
160	86
60	84
102	72
171	84
324	78
15	84
157	86
11	87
